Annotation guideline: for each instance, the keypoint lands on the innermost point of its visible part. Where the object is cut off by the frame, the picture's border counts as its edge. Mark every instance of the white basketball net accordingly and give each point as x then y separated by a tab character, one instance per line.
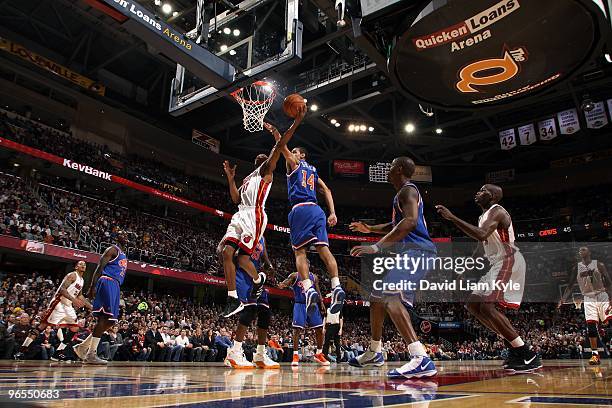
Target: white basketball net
255	100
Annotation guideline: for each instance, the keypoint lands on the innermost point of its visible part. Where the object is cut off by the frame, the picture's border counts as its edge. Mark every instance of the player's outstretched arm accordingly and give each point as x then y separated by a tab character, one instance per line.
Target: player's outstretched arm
409	203
290	161
268	167
495	217
230	173
288	282
381	229
332	220
109	253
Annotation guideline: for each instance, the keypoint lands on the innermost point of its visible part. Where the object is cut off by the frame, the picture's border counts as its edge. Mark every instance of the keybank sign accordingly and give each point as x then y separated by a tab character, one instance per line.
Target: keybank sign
87	169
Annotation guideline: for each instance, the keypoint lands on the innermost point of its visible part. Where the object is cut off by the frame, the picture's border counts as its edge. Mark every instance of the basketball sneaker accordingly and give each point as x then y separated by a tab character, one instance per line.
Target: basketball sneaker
320	358
262	360
296	360
369	358
237	359
258	288
337	300
80	351
312	299
595	360
94	359
417	367
523	360
232	306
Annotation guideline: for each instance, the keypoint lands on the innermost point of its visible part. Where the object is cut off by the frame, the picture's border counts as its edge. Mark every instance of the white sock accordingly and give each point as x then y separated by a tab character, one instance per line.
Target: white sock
417	349
518	342
237	345
319	351
93	348
60	335
335	282
27	342
257	280
261	349
306	284
232	293
595	352
376	346
61	347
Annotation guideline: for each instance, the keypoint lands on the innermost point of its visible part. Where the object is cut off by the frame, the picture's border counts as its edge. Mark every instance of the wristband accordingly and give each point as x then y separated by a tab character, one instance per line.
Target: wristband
376	248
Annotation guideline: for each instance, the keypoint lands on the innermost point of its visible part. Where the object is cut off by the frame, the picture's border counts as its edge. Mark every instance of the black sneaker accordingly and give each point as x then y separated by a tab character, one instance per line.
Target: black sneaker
258	288
232	306
523	361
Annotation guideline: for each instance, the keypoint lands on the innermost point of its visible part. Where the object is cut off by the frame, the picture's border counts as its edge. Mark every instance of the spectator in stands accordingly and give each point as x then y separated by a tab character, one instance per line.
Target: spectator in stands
109	343
275	351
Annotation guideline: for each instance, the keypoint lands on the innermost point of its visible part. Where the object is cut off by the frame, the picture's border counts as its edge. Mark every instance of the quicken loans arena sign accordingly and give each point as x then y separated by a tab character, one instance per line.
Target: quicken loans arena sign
465	54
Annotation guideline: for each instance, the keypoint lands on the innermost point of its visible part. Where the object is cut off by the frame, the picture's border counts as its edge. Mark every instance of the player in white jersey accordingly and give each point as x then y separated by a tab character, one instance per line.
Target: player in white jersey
61	313
249	223
496	234
596	287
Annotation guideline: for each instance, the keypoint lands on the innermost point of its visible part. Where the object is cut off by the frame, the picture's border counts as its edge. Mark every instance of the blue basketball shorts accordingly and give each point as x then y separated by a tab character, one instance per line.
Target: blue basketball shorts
244	284
106	302
308	225
304	320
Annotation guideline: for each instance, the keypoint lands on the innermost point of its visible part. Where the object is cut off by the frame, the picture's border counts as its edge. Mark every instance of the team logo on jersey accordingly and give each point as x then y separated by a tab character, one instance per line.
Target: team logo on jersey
247	239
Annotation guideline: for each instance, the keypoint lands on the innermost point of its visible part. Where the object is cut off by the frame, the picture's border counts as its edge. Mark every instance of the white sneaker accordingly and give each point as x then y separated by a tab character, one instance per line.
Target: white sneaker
417	367
369	358
263	361
94	359
237	359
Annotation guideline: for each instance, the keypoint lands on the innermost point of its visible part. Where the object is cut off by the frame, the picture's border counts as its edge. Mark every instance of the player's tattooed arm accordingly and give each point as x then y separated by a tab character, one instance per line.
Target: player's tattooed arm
230	173
85	301
63	290
290	160
109	253
288	282
496	217
382	229
409	203
268	167
332	220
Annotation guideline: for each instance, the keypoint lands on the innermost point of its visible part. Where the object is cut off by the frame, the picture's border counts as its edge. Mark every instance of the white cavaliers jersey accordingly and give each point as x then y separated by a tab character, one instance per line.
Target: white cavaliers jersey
253	191
74	289
590	279
500	244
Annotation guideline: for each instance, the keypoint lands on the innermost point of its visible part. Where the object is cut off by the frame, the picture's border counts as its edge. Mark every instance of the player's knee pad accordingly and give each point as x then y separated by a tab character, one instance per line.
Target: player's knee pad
263	317
247	315
592	329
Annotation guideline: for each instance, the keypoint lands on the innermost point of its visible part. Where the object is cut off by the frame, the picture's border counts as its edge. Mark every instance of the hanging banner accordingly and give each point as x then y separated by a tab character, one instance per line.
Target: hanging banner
610	107
527	134
547	129
507	139
52	67
597	118
568	121
500	176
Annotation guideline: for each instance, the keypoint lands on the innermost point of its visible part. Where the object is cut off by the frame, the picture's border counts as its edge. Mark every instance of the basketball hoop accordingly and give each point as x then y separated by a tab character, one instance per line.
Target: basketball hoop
255	100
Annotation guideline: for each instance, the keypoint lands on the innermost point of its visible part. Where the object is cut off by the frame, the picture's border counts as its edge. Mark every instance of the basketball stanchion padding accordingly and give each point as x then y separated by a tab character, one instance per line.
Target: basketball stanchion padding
255	100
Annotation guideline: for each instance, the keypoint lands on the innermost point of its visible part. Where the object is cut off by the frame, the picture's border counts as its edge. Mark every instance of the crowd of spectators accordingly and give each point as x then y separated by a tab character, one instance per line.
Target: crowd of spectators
156	327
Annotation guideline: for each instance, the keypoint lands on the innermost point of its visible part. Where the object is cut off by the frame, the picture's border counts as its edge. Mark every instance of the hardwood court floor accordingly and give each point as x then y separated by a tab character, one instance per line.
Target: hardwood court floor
563	383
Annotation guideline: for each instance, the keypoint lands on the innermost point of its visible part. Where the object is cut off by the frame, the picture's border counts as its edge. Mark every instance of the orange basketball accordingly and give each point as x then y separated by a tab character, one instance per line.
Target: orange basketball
292	104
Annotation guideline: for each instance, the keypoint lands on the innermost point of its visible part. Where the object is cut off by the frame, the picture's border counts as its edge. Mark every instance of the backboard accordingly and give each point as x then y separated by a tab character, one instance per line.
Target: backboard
256	38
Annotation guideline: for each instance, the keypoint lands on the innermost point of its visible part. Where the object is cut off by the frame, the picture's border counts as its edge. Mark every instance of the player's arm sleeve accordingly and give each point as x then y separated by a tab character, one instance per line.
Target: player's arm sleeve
329	198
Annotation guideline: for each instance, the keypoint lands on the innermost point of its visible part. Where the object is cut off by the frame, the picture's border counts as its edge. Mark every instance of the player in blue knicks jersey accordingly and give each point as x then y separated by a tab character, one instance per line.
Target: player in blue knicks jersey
109	276
307	222
405	234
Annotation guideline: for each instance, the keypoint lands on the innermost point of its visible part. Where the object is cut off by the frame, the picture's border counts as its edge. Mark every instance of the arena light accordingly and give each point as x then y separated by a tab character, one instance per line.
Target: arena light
363	128
232	52
227	30
158	3
236	32
439	131
351	128
314	107
223	47
371	129
175	13
409	127
337	124
333	121
166	8
608	58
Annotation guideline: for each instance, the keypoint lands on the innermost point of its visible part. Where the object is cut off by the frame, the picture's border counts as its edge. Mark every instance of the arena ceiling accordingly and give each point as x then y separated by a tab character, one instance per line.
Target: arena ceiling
92	43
